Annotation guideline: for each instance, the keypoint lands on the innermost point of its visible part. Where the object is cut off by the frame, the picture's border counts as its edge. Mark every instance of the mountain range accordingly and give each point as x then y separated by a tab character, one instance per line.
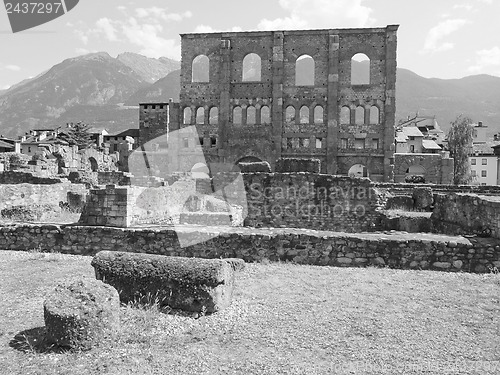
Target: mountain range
105	91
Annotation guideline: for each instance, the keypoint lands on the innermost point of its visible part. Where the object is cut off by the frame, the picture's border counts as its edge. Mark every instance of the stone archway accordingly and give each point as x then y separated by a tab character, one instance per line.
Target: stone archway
415	170
358	170
94	166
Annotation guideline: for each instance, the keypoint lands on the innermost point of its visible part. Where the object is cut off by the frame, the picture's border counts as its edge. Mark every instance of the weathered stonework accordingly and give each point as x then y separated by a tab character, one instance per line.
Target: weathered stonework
408	251
271	116
438	168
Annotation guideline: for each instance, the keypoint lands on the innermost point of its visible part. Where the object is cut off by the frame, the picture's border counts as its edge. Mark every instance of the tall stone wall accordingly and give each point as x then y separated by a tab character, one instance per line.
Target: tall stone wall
272	115
300	246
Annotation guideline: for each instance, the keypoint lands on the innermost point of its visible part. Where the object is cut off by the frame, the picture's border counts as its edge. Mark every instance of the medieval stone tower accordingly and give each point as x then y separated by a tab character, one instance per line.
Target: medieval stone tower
265	95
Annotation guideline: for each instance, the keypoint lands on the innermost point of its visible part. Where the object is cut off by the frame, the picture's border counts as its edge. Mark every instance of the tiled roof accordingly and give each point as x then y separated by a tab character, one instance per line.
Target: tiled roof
412	131
429	144
5	145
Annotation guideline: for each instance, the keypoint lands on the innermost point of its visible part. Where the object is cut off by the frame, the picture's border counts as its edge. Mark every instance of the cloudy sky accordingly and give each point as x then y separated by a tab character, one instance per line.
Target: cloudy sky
436	38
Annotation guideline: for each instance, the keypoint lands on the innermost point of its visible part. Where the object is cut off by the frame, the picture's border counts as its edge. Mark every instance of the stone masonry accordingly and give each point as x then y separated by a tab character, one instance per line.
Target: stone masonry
398	250
268	115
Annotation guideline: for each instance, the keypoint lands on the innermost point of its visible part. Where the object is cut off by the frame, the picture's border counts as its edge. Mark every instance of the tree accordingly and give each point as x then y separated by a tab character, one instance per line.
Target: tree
460	146
77	134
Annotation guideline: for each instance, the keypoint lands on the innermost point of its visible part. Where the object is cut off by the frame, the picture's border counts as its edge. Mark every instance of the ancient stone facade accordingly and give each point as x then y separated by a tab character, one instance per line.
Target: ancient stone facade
248	103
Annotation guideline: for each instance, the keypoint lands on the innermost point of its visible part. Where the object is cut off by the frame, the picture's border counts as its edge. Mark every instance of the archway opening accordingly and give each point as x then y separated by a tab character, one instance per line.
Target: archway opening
358	170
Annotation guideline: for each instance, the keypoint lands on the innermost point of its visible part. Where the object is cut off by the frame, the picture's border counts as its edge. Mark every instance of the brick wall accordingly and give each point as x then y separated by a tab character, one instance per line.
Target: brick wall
300	246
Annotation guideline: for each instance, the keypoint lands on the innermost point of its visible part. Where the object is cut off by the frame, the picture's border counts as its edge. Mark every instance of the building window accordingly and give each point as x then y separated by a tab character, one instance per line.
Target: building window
472	161
304	71
375	144
200	69
29	149
360	69
213	142
237	115
343	143
319	142
251	115
252	66
345	115
412	148
265	115
484	161
185	142
359	143
201	141
304	115
483	173
473	173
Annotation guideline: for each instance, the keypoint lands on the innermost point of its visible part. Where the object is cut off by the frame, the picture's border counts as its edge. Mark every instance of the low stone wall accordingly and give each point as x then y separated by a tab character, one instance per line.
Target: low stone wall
31	194
419	251
18	177
467	214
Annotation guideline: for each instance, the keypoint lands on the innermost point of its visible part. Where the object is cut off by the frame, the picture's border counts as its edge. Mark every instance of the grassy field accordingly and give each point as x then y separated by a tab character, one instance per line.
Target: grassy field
285	319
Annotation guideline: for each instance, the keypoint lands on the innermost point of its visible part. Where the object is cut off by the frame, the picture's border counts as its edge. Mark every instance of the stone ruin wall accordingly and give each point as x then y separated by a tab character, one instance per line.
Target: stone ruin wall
225	90
320	248
301	200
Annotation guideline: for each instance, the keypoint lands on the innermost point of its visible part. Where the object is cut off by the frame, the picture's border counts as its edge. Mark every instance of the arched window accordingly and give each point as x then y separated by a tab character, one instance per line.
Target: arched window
213	116
304	115
318	114
360	115
265	115
252	68
345	115
187	115
200	115
304	71
200	69
251	115
237	115
360	69
374	115
290	115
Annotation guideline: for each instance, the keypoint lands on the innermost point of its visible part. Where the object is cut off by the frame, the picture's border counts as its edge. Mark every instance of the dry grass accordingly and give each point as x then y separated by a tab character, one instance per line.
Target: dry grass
285	319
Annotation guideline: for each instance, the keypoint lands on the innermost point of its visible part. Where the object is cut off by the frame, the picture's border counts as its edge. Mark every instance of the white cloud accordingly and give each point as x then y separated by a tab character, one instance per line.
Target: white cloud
210	29
83	51
105	25
148	37
433	41
486	58
14	68
162	14
5	87
320	14
467	7
82	35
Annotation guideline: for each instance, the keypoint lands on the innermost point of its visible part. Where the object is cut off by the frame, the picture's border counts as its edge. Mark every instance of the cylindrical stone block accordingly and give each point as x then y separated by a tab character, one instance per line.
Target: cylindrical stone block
80	314
190	284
